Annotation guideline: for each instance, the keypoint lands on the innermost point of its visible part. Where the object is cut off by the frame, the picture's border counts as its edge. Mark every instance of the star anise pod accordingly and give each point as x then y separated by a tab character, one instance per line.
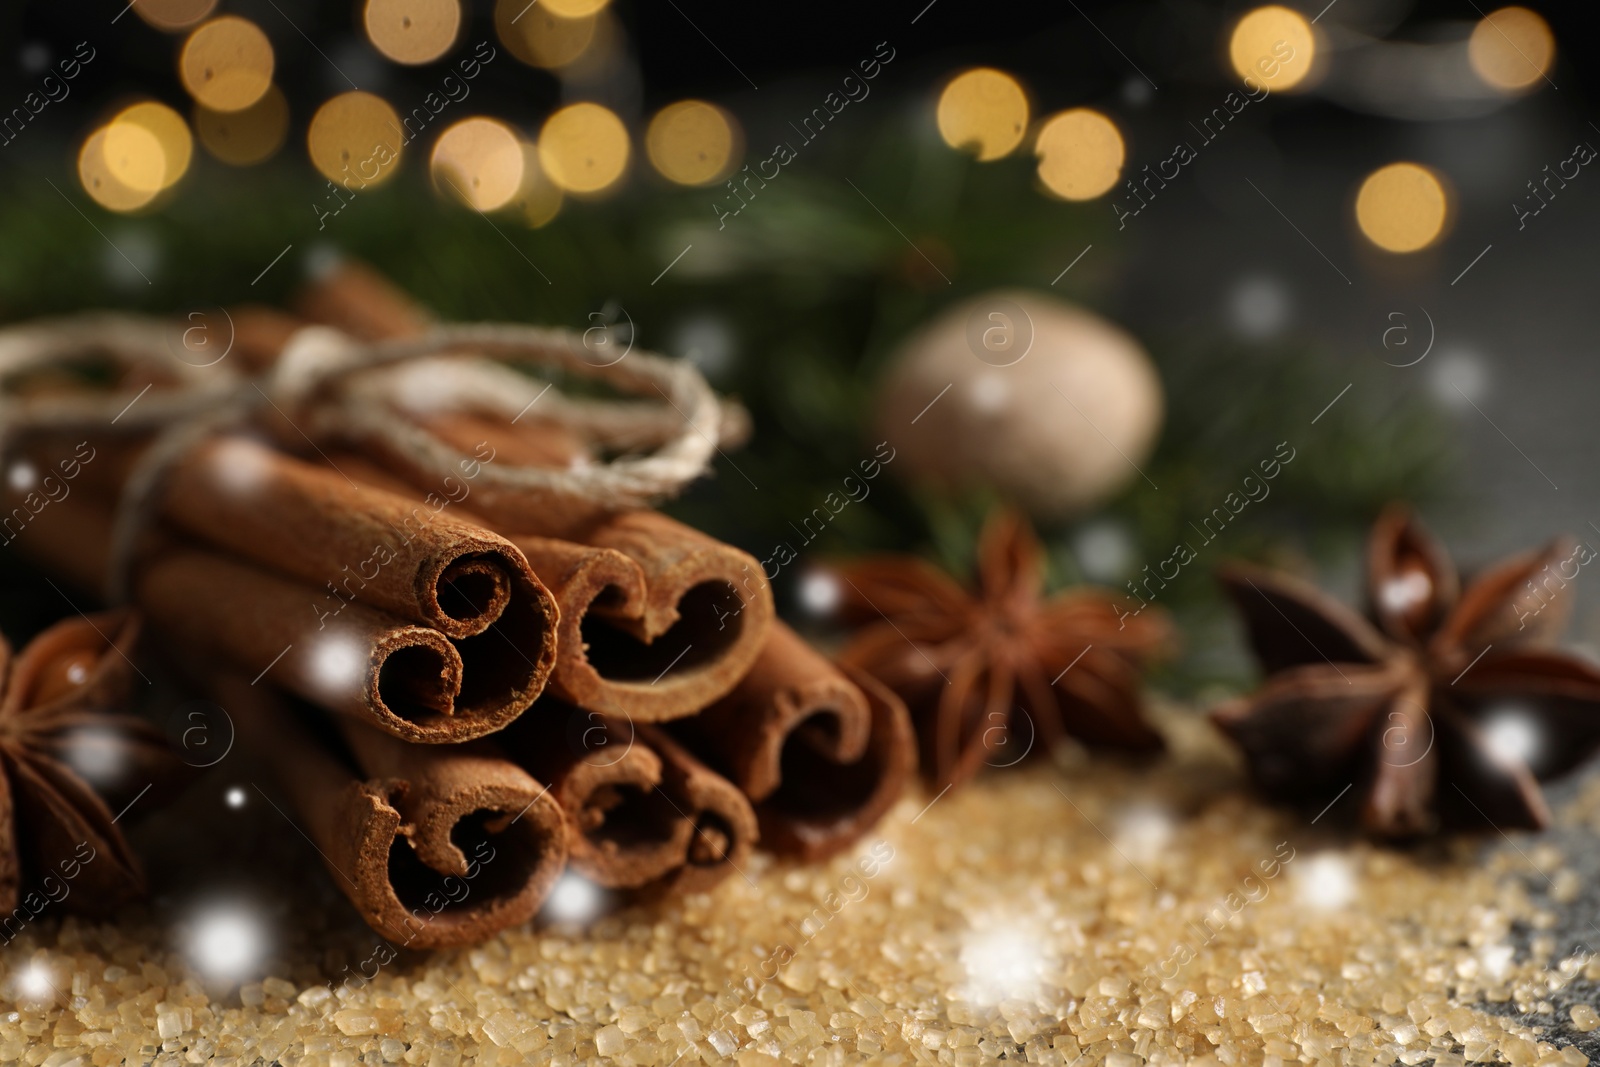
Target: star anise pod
60	845
988	672
1446	709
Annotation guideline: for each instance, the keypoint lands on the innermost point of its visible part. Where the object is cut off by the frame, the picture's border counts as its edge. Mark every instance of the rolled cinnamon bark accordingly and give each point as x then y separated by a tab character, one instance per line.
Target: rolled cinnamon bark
404	678
435	846
707	606
415	560
686	641
357	543
665	619
605	601
642	812
821	755
655	623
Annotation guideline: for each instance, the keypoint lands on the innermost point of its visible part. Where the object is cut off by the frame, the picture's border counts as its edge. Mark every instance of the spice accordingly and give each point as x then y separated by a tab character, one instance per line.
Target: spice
1448	711
424	623
59	838
435	845
994	672
822	754
662	620
642	811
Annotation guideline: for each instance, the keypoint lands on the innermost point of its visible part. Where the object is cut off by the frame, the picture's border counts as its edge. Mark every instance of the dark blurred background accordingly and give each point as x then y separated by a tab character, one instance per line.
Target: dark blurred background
1251	282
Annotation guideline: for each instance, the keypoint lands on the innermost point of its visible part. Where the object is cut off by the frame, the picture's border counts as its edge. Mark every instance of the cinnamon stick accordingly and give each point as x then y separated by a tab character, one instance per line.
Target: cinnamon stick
668	619
656	619
821	753
707	605
401	677
642	811
416	558
435	846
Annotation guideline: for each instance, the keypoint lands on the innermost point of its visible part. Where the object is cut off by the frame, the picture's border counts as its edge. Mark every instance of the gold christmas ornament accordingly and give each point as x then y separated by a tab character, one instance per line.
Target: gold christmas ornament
1016	391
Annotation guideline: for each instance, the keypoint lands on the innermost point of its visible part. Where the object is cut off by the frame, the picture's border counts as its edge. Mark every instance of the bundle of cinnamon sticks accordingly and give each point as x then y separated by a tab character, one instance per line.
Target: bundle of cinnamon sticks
463	689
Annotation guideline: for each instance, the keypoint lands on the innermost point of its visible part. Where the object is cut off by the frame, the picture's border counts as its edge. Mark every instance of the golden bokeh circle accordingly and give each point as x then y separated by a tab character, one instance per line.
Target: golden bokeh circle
243	138
540	37
539	199
984	111
355	139
173	15
583	148
691	142
479	162
1273	46
1081	153
171	134
1402	207
134	157
226	64
412	31
96	176
1511	48
575	9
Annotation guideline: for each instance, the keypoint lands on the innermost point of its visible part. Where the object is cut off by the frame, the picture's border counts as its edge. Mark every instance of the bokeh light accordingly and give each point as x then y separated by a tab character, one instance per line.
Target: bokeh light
984	111
691	142
1326	881
234	465
539	199
227	942
1105	549
1080	154
226	64
478	161
708	340
1273	46
173	15
171	134
22	476
242	138
1459	378
540	37
1406	591
134	157
1003	961
99	754
574	899
355	139
1511	48
339	665
34	984
574	9
583	148
97	178
1260	306
1402	207
1143	831
820	593
412	31
235	797
1511	738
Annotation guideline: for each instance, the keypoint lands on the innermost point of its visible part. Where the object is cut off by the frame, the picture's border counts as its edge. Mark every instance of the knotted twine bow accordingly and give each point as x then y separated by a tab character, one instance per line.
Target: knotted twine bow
327	384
